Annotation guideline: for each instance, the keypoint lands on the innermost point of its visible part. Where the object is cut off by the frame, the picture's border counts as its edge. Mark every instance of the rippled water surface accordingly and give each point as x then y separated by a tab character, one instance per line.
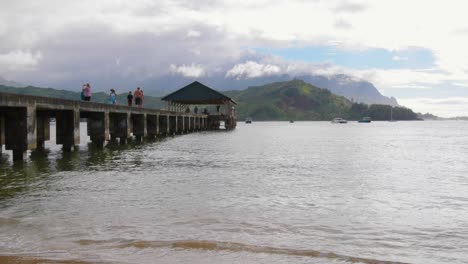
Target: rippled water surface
272	192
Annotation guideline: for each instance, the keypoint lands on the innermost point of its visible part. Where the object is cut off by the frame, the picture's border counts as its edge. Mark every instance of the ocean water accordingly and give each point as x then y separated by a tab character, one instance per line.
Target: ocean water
269	192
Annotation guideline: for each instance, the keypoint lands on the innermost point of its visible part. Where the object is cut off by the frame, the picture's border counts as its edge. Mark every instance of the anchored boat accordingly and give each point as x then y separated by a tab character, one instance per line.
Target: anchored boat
339	121
365	120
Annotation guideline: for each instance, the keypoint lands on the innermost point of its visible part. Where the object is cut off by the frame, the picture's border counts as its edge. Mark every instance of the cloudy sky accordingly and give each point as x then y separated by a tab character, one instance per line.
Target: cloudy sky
416	51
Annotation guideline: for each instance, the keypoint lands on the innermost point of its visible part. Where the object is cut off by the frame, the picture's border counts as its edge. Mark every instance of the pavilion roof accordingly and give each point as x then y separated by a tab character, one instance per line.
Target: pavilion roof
197	93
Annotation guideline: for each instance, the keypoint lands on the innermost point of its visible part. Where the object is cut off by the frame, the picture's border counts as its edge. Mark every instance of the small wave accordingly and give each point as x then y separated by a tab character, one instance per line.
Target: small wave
8	221
234	247
38	260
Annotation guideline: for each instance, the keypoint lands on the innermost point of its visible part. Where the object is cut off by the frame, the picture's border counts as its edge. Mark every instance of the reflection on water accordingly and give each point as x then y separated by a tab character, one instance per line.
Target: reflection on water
265	193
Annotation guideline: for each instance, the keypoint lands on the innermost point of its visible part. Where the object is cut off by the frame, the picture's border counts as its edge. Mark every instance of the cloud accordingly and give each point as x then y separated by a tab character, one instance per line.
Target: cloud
348	7
192	70
461	31
341	24
411	86
193	34
444	107
398	58
445	101
252	69
19	60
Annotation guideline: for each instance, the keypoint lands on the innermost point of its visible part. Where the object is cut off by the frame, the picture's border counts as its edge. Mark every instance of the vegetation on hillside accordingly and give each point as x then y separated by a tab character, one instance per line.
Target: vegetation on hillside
298	100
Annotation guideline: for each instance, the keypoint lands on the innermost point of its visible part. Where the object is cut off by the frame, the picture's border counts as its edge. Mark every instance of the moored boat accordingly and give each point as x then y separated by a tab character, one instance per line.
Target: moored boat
365	120
248	120
339	121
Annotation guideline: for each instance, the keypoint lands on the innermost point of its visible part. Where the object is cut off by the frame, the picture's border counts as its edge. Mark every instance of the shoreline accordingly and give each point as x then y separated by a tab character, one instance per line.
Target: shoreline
12	259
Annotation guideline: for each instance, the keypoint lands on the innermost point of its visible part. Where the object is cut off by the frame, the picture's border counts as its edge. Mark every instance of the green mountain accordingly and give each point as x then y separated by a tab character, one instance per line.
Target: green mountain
298	100
98	97
290	100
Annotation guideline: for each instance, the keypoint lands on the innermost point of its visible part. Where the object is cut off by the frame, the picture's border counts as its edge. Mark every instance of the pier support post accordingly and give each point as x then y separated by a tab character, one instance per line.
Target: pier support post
43	129
2	132
151	126
20	131
68	128
98	127
192	123
139	126
158	124
172	125
189	124
120	126
180	128
168	125
163	121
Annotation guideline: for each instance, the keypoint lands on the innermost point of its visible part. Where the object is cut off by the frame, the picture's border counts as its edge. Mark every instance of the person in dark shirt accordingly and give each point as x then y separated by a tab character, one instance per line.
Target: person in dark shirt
130	98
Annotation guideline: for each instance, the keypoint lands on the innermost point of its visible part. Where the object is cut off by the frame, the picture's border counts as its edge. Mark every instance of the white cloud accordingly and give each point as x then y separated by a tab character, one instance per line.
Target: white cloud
349	7
411	86
401	78
19	60
252	69
398	58
193	70
193	34
341	24
443	107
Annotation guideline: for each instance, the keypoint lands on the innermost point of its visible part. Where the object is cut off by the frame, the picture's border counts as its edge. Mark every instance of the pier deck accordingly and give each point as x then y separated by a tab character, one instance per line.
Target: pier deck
25	122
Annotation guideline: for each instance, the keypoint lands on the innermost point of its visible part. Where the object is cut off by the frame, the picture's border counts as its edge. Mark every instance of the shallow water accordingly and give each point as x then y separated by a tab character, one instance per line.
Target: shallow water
269	192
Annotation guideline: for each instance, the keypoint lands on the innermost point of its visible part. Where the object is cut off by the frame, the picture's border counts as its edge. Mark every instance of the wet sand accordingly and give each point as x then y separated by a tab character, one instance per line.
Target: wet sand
33	260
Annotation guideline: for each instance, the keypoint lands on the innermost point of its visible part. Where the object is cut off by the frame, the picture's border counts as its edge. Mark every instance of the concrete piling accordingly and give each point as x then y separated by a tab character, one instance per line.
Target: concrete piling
43	129
192	123
68	128
139	125
20	130
180	124
172	125
120	126
2	132
151	126
98	127
163	121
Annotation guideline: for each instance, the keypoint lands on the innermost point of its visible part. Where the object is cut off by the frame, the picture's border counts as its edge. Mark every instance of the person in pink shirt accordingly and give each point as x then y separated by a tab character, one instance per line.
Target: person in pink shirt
87	92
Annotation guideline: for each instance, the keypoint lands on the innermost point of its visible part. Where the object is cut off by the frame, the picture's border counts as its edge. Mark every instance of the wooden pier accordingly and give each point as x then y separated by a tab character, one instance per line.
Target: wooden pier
25	122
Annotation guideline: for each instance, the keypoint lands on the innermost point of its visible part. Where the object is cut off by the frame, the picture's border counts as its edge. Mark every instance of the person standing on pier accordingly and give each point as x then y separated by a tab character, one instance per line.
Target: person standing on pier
138	94
86	90
113	97
130	98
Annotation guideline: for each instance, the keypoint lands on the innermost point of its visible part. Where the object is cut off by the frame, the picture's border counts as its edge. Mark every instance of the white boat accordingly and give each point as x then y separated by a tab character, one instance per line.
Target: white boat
339	121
